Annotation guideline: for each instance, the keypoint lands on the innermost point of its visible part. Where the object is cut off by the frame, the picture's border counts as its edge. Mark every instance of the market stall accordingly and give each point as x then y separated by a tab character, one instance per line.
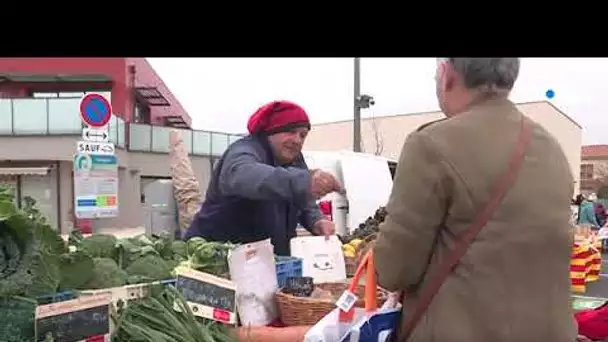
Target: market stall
137	288
152	288
156	288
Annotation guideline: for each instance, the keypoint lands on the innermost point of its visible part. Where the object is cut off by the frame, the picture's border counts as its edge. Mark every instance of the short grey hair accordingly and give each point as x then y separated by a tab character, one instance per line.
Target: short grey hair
487	75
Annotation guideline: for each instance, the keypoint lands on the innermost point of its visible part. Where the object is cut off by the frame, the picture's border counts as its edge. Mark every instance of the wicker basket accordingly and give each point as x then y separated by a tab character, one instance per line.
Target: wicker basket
352	263
308	311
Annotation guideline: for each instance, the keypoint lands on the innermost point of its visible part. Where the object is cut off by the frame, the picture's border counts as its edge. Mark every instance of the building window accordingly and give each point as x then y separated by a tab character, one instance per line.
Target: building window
45	95
69	94
42	189
586	171
141	114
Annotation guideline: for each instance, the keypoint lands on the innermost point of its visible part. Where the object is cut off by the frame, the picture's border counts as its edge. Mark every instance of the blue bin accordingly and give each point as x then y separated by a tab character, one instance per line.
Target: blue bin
67	295
286	267
56	297
169	282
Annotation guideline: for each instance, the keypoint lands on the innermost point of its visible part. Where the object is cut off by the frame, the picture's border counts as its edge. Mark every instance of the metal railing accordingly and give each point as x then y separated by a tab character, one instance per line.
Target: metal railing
146	138
60	116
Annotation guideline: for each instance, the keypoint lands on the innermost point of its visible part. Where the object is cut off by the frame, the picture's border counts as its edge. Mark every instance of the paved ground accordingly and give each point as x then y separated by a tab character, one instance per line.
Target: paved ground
599	288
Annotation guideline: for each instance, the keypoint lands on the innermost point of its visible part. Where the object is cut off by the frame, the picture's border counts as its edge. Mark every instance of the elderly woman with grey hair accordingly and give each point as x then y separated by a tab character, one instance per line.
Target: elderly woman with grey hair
477	233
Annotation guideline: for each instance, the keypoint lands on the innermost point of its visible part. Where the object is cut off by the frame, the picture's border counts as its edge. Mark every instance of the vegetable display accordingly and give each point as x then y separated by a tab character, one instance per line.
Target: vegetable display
154	318
145	259
135	260
36	261
29	250
367	228
30	259
356	243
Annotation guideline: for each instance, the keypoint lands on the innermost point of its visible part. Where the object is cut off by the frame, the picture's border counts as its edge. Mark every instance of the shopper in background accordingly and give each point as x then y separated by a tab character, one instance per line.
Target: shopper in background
586	213
261	187
577	202
602	217
600	207
600	213
507	286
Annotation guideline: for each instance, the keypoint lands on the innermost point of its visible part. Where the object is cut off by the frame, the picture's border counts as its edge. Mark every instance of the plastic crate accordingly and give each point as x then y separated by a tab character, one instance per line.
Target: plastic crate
67	295
55	297
286	267
169	282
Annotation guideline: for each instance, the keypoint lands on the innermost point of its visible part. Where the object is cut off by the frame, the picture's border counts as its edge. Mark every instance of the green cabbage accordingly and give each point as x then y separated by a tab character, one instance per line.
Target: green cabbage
29	265
29	250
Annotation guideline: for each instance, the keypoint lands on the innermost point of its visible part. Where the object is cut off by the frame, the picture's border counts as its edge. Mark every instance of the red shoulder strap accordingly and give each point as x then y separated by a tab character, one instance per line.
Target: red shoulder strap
501	188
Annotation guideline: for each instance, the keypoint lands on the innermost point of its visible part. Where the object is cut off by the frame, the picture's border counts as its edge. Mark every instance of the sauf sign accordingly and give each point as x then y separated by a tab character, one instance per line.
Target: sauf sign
90	147
95	165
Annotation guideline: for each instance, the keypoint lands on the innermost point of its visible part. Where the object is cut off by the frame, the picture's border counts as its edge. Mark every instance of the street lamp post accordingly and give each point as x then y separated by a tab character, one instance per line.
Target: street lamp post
361	101
357	108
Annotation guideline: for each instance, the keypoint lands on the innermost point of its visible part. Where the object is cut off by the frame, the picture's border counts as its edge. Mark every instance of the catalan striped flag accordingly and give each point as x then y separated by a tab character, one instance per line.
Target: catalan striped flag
585	265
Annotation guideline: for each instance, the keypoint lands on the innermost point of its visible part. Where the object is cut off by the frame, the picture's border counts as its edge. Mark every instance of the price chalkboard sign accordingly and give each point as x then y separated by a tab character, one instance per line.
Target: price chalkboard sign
208	296
74	320
299	286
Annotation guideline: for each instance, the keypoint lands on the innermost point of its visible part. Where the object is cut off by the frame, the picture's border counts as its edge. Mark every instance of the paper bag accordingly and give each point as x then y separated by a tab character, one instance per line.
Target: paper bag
322	259
252	268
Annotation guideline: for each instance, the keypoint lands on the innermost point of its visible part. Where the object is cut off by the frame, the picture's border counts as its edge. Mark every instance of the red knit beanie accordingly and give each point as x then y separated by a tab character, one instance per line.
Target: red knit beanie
277	116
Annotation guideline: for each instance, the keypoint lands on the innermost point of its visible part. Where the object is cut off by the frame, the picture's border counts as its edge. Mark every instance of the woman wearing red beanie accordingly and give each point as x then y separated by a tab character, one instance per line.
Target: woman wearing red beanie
262	188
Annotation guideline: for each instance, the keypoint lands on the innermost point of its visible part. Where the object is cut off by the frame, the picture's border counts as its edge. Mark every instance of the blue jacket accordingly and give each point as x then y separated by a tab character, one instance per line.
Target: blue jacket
587	214
251	198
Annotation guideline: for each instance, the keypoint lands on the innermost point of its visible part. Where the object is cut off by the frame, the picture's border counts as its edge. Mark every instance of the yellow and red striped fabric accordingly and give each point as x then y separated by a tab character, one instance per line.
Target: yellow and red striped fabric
585	265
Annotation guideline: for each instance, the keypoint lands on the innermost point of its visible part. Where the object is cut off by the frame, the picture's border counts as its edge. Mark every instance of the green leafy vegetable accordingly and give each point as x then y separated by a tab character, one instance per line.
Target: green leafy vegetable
155	319
17	315
106	274
163	245
75	239
29	250
209	257
29	264
100	246
77	269
179	249
151	267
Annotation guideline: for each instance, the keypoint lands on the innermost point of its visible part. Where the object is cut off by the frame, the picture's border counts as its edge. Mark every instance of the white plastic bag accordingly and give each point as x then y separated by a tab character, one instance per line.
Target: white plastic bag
347	323
376	327
330	329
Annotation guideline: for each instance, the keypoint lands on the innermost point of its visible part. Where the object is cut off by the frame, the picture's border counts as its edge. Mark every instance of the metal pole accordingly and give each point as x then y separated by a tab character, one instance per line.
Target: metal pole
357	108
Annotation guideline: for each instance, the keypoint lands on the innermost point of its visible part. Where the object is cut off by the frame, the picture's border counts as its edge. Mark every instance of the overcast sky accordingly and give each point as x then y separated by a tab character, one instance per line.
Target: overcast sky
221	93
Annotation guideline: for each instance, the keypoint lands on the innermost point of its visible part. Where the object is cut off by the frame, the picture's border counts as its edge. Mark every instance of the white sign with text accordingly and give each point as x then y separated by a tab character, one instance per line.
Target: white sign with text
90	147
